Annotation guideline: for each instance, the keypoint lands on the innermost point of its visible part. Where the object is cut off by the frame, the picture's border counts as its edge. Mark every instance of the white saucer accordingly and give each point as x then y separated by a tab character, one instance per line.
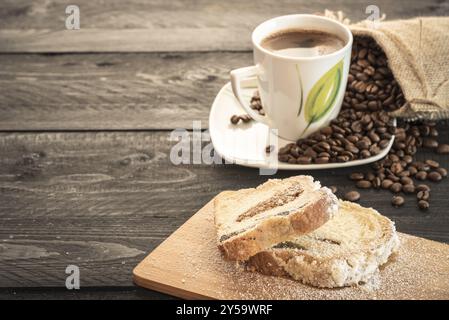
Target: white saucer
244	144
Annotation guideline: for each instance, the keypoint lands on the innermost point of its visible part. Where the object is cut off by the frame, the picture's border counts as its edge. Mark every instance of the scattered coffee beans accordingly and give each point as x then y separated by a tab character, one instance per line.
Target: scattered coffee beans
255	104
235	119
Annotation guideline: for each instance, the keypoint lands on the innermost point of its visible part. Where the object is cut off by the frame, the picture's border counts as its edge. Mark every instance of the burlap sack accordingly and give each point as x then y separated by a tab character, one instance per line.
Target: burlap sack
418	55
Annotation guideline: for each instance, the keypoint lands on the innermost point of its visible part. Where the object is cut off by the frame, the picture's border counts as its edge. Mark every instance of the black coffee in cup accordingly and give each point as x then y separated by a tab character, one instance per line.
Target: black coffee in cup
302	43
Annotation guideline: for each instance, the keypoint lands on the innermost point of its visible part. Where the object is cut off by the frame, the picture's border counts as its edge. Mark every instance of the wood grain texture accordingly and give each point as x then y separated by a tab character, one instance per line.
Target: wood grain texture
111	91
102	200
92	293
158	25
189	265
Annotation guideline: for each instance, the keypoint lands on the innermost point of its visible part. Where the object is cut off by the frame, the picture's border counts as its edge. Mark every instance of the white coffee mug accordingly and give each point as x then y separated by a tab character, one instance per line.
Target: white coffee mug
299	94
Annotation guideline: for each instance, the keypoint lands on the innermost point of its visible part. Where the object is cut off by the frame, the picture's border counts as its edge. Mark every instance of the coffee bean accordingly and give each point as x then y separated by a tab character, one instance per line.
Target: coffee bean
295	151
421	175
304	160
352	148
408	159
343	159
443	148
422	187
370	176
393	157
384	143
269	149
235	119
356	176
430	143
363	144
324	146
364	184
386	184
396	168
362	76
334	189
423	195
433	132
373	136
374	149
357	126
365	154
434	176
412	171
432	163
352	196
396	187
362	53
284	150
408	188
423	205
310	152
405	173
321	160
406	180
393	177
442	172
326	131
397	201
246	118
376	182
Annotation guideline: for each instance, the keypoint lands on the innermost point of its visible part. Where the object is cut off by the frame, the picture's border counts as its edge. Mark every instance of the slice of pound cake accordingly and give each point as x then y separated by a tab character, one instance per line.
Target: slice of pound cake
249	221
345	251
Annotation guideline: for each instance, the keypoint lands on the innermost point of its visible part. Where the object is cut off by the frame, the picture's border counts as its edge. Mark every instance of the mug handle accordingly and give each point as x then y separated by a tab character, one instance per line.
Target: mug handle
237	76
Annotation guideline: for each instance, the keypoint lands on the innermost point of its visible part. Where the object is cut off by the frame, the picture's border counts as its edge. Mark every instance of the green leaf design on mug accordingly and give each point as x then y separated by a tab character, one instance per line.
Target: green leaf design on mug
323	94
301	95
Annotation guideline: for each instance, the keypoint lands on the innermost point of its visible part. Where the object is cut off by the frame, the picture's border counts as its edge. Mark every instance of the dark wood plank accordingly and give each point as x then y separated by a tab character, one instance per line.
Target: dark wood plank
103	200
111	91
100	293
158	25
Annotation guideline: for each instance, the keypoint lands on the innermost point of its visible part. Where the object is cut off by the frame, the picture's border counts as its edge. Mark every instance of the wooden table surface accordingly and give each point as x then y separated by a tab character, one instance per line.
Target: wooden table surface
85	122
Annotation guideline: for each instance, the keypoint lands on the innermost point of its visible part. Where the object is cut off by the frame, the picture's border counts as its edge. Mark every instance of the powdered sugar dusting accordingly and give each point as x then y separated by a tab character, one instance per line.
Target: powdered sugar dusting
420	270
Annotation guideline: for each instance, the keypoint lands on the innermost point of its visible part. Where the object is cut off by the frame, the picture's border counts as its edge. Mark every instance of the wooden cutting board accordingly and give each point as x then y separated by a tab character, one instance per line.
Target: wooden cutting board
189	265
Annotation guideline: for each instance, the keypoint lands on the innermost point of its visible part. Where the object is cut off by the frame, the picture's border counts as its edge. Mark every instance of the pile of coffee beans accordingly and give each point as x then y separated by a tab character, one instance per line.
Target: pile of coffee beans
363	128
